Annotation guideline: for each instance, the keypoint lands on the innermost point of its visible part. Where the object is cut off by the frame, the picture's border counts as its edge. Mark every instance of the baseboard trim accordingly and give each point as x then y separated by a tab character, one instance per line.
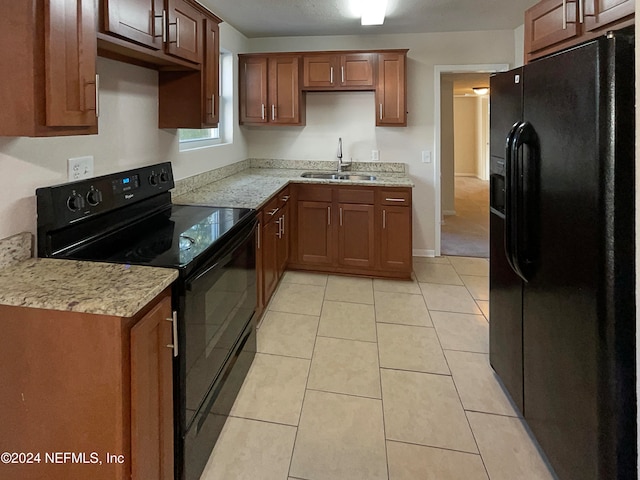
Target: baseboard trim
448	212
423	253
465	175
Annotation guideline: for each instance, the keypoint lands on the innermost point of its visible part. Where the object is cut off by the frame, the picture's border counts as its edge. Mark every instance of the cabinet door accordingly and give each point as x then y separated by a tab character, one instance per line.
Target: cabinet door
184	31
152	394
391	90
314	233
283	240
319	71
284	90
253	89
550	22
357	70
137	20
395	239
70	63
270	240
356	235
602	13
211	73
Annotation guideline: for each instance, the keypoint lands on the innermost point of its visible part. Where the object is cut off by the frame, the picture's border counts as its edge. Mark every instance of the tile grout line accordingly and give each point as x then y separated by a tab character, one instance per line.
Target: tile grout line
384	423
306	385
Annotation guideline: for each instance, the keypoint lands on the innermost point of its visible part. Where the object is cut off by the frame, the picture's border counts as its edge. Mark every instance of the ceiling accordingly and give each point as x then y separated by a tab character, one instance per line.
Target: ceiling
463	83
281	18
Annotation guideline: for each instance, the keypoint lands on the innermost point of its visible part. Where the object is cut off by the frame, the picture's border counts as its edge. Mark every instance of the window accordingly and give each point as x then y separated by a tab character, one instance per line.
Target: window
191	138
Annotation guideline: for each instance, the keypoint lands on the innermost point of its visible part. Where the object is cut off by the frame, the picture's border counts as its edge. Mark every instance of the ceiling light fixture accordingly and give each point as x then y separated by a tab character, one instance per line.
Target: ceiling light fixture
480	90
374	12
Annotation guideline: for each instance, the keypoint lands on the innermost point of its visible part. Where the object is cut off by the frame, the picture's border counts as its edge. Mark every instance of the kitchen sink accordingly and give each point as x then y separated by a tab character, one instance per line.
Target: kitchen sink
337	176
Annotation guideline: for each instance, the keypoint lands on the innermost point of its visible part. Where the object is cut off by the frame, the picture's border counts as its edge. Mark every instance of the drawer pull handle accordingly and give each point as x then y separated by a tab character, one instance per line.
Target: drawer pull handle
328	215
285	198
395	199
384	219
174	345
273	212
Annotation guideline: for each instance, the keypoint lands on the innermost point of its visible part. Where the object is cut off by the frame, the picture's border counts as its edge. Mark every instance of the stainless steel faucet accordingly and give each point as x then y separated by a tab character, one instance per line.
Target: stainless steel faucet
341	166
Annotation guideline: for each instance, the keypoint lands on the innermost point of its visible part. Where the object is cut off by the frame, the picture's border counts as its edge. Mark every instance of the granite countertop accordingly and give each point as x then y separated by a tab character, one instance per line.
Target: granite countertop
86	287
252	187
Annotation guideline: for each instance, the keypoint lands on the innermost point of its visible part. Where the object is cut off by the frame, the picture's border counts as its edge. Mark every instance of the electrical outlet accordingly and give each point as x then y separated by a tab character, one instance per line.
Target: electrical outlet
375	155
426	156
80	167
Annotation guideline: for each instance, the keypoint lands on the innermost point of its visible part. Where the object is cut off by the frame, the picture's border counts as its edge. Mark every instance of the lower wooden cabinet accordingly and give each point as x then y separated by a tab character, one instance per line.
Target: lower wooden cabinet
97	386
353	230
272	245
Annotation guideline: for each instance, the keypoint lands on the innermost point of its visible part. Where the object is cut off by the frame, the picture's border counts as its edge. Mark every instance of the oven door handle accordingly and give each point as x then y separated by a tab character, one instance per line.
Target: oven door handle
190	284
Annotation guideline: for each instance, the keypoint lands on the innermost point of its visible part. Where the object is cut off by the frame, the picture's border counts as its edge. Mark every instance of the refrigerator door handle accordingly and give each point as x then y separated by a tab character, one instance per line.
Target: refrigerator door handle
509	214
522	203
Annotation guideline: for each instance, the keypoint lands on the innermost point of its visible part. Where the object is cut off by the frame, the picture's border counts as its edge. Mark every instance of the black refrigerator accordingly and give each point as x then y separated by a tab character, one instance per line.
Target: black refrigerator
562	274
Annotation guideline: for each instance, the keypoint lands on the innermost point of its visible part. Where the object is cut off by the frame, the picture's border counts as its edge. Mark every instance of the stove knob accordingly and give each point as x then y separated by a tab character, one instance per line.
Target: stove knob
75	202
153	179
164	177
94	197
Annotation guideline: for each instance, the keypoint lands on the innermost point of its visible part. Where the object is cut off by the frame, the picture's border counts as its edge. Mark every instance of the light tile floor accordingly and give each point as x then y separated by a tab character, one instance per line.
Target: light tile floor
377	379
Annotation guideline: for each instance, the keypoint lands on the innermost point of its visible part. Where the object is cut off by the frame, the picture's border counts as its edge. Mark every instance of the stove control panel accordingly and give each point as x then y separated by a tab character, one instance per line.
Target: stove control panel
69	203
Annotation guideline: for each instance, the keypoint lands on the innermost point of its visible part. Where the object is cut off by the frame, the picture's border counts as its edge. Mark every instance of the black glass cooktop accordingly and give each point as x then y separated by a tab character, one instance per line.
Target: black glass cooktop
172	238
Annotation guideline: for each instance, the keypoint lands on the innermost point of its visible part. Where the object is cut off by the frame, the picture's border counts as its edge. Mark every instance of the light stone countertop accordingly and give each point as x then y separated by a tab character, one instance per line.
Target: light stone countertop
88	287
252	187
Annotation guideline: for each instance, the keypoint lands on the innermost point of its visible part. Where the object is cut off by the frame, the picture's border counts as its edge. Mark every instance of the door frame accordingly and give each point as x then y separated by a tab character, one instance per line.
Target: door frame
438	71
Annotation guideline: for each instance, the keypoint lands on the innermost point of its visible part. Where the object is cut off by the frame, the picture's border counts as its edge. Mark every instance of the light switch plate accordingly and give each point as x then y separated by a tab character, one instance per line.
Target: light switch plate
375	155
426	156
80	167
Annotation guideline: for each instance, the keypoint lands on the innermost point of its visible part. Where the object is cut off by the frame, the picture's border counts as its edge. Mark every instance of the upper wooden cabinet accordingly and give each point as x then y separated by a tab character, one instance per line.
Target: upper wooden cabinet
49	85
552	25
391	94
270	91
173	26
137	20
599	14
354	71
211	73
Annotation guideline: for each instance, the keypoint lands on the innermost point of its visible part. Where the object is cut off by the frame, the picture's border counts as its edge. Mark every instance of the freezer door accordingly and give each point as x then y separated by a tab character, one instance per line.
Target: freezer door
505	287
571	399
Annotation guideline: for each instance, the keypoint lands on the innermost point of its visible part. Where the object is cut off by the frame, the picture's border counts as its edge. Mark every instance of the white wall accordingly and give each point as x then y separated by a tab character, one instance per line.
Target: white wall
447	179
128	137
351	115
518	34
465	116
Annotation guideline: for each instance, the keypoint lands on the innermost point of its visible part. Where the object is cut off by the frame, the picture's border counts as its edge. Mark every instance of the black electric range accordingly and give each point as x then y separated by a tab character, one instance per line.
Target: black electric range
128	217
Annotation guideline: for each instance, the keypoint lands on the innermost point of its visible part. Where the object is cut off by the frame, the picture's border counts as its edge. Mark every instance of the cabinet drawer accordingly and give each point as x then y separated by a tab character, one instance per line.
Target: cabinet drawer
314	193
283	197
395	197
271	209
348	195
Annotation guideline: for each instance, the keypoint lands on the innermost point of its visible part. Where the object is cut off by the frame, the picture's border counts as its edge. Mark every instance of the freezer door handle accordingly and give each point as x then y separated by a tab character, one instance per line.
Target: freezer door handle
521	206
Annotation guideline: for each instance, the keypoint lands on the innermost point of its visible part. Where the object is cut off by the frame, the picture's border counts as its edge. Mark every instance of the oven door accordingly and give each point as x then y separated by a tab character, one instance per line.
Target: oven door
216	321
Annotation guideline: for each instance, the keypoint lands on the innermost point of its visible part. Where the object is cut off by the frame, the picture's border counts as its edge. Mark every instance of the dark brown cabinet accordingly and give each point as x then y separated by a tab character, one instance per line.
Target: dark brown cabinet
49	86
353	230
174	26
140	21
396	227
552	25
152	394
600	14
211	74
269	90
184	31
326	71
272	245
77	382
391	94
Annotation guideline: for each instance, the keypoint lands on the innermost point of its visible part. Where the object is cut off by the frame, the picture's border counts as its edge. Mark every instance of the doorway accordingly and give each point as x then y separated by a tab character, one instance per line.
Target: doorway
462	159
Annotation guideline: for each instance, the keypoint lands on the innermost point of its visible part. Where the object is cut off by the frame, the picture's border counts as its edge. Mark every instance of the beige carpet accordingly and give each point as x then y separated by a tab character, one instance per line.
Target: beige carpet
467	232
